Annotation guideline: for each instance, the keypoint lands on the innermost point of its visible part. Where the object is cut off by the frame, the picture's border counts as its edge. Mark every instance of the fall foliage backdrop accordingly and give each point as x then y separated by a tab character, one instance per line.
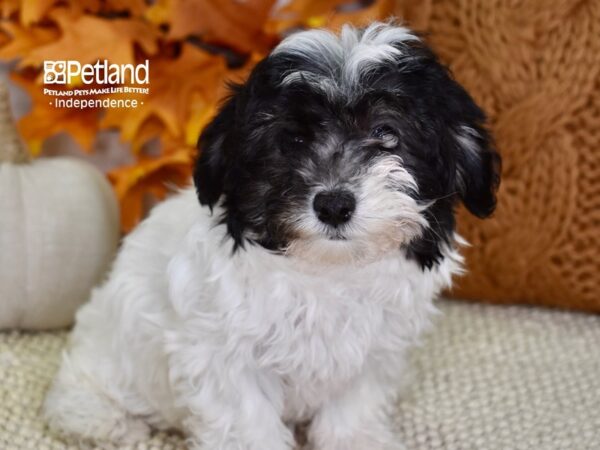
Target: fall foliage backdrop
194	48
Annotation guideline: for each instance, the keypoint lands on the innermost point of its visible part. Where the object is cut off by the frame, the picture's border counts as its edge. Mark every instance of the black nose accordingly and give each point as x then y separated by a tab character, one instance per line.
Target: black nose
334	207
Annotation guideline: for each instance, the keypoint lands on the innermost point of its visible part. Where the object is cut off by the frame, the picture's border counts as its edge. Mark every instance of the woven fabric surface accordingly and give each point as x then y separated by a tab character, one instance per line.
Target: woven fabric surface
534	66
487	378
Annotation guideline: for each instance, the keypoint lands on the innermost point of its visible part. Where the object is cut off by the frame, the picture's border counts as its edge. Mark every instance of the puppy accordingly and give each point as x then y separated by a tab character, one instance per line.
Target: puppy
291	292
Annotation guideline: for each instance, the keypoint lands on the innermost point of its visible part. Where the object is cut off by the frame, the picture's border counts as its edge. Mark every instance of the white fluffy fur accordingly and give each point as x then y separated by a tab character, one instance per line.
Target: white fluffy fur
235	349
355	51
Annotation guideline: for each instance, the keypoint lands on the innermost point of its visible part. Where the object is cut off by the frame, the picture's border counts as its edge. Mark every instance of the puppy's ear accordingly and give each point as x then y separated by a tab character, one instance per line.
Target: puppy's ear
210	170
477	169
468	149
477	164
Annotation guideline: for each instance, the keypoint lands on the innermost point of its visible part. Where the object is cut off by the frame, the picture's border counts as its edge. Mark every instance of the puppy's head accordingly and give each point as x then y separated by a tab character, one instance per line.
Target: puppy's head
341	148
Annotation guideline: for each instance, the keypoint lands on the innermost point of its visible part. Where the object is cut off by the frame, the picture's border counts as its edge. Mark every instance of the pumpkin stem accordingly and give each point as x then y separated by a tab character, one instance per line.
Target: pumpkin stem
12	148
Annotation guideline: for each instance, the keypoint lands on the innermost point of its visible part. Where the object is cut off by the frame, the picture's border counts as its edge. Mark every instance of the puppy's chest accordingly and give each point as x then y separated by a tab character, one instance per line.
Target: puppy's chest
319	340
321	335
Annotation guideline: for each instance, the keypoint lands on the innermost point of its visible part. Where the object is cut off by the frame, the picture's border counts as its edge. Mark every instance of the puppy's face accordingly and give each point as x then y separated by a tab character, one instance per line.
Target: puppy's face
341	149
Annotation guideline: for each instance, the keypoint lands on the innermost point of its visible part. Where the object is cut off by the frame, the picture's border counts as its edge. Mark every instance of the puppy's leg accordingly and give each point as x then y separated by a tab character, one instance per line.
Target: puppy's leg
234	413
358	419
77	405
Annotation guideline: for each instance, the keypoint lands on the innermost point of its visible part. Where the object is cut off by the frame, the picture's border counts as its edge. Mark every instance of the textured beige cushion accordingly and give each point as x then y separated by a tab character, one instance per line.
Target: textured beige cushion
488	378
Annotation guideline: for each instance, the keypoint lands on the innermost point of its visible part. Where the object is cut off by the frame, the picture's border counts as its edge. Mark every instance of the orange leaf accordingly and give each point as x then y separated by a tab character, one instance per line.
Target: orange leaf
174	84
87	39
149	175
23	40
230	23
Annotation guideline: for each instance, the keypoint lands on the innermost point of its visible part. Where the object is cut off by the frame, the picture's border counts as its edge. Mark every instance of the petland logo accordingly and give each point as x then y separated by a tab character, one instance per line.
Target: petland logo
70	72
99	85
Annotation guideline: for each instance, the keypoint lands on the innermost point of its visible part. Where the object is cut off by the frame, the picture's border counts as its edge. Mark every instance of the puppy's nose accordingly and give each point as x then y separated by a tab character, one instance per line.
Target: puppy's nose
334	207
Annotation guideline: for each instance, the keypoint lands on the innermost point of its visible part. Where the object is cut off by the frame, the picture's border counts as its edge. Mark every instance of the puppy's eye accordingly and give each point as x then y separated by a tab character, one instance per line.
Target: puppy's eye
386	134
291	142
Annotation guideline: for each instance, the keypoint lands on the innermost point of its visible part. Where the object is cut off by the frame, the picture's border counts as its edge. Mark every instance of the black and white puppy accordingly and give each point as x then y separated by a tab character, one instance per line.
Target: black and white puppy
328	183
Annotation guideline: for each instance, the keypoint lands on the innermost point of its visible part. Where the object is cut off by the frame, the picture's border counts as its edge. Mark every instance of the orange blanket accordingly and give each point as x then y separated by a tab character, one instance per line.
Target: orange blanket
534	66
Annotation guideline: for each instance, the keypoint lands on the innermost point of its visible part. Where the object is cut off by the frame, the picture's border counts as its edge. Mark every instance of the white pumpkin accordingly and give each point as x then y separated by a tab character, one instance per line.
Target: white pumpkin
59	231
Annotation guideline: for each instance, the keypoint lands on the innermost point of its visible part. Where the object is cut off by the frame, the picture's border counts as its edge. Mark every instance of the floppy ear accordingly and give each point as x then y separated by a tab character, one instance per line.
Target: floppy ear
209	172
477	164
477	169
469	151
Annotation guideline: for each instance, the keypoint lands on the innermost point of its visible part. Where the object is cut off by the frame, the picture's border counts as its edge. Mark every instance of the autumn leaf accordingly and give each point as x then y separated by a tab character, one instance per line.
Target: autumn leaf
195	74
23	40
87	39
155	176
230	23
